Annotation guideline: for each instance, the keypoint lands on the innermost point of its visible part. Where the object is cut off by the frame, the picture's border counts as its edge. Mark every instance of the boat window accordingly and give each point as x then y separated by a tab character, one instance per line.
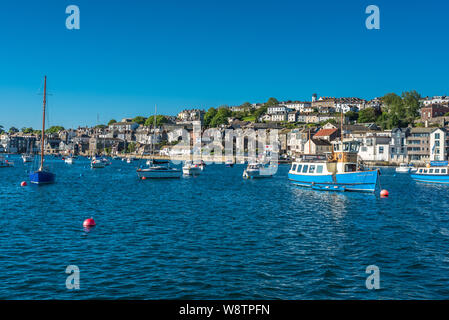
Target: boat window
294	167
430	170
319	169
420	170
437	170
306	167
350	167
299	168
425	170
312	169
443	170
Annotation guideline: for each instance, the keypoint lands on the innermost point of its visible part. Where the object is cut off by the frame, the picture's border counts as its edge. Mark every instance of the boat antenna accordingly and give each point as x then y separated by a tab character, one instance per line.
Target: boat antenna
43	125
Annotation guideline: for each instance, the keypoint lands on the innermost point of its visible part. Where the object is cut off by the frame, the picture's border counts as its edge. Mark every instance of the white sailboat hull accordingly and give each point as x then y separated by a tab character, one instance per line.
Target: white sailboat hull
158	173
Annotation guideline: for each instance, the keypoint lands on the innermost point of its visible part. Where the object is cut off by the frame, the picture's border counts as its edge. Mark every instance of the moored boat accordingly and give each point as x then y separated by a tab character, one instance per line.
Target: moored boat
403	168
337	171
259	170
190	169
69	160
97	163
42	175
158	169
27	158
5	163
434	172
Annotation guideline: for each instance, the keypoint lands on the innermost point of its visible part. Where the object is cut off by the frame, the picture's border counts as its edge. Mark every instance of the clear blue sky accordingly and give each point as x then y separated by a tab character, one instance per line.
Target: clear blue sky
130	55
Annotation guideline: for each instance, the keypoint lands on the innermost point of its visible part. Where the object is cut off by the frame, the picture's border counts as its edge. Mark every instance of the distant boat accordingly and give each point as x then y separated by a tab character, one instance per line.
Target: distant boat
191	169
69	160
43	175
200	164
403	168
5	163
27	158
157	169
434	172
256	170
97	163
229	163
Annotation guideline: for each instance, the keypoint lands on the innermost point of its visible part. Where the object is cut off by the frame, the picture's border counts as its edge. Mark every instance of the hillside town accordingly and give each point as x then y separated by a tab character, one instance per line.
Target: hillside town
304	127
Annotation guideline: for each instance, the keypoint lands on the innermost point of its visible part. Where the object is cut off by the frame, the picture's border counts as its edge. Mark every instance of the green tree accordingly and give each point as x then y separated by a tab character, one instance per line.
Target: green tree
247	106
54	129
112	121
139	119
352	116
259	112
367	115
271	102
27	130
160	120
13	130
131	147
221	117
411	104
209	115
1	129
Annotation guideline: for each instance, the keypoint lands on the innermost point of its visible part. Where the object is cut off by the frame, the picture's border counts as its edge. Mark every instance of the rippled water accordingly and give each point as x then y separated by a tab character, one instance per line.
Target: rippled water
218	236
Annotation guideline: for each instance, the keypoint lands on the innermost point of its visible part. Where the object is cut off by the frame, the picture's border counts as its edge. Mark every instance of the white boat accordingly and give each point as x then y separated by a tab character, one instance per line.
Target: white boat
96	163
27	158
403	168
128	160
158	169
258	170
191	169
200	164
5	163
69	160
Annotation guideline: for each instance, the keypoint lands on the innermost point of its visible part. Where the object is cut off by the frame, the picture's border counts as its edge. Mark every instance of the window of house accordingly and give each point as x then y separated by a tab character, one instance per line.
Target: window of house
381	149
437	136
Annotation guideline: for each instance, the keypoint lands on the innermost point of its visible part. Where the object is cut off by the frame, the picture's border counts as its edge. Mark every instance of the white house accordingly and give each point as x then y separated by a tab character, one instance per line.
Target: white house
375	147
439	144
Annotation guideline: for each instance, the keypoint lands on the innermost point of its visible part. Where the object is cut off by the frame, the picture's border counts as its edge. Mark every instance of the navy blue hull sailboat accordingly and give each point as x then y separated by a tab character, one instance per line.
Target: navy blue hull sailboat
42	175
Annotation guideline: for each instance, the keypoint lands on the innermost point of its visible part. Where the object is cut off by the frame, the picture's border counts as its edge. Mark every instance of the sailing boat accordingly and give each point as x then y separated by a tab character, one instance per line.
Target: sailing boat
42	175
157	169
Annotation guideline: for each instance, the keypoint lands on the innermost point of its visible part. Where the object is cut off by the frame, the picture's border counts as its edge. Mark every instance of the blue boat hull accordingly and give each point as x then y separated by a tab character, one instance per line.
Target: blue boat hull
361	181
431	178
42	177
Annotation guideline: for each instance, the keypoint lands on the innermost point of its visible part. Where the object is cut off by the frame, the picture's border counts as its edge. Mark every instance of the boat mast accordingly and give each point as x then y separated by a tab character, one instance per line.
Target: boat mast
154	131
43	126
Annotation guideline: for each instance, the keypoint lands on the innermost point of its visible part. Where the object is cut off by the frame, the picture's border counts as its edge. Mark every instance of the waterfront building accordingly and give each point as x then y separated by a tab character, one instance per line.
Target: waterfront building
190	116
293	116
398	144
439	144
280	116
435	100
418	145
429	112
317	146
124	126
278	109
327	134
324	105
375	146
349	104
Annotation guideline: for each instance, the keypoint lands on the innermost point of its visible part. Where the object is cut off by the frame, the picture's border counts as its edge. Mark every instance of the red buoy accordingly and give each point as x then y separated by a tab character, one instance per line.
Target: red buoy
23	184
384	193
89	223
144	178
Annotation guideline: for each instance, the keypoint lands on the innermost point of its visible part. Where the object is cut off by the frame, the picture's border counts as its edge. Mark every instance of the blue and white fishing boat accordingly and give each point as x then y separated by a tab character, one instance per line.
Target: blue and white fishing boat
42	175
336	171
434	172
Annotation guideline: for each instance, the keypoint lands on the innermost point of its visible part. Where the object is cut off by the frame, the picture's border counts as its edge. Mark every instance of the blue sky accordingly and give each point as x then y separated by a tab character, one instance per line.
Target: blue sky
130	55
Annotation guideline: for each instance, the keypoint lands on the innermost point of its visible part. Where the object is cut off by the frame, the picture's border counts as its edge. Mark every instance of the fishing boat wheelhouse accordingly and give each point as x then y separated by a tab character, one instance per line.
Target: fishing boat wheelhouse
335	171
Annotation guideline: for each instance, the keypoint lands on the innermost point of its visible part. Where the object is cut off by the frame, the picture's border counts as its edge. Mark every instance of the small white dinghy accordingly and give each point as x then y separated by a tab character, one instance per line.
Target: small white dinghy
403	168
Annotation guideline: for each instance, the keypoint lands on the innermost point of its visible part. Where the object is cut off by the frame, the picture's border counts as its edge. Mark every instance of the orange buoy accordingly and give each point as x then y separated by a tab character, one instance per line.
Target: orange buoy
384	193
23	184
89	223
144	178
